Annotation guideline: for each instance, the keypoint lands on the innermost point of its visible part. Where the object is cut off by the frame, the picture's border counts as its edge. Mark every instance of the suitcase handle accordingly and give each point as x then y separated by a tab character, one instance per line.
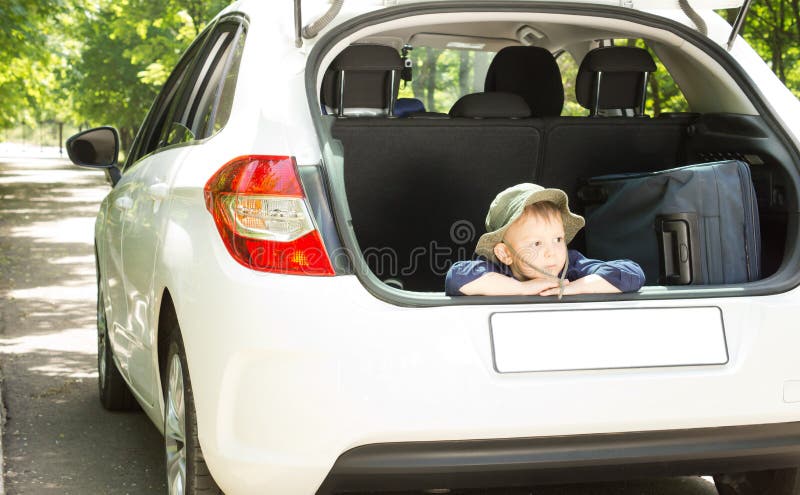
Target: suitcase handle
677	237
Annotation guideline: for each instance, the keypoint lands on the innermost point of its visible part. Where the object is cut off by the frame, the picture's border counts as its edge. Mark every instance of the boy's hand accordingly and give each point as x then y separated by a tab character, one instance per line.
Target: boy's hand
590	284
538	286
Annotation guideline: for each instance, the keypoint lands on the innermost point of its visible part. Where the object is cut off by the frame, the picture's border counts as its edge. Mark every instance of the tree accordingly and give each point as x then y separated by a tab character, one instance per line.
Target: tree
27	58
116	97
129	48
772	28
94	63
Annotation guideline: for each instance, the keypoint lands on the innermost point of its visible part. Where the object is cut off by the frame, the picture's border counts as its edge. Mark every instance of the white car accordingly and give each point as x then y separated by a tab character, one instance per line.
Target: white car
271	257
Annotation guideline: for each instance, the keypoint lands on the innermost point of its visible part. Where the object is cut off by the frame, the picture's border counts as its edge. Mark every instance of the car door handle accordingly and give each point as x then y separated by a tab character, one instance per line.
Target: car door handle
158	191
123	202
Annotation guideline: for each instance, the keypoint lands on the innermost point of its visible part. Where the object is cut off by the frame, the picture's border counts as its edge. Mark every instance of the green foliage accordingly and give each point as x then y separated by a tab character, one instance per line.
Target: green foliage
27	57
442	76
663	94
129	48
772	28
92	62
569	72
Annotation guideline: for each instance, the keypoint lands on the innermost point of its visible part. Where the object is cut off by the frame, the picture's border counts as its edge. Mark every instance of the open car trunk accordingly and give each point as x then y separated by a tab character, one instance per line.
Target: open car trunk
418	189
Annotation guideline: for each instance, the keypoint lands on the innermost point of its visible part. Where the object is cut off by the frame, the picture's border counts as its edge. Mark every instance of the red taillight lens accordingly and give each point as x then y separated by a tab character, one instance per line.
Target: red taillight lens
260	210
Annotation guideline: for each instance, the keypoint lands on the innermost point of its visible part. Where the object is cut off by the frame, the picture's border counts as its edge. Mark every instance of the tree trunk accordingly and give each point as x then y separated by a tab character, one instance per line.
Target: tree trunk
780	38
655	92
126	135
430	82
196	10
796	23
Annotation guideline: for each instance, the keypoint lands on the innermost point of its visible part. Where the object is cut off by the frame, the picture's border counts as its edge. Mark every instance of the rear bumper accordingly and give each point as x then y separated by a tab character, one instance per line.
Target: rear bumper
529	461
358	394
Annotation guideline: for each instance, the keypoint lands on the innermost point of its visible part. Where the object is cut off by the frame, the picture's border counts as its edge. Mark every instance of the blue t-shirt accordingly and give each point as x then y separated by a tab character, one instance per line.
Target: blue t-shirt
625	275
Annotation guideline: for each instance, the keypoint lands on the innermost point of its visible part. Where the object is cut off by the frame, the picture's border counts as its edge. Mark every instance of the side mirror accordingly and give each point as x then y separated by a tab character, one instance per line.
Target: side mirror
96	148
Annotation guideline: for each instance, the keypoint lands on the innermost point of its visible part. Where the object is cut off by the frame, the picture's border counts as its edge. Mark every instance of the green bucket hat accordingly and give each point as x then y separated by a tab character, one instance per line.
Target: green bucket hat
508	206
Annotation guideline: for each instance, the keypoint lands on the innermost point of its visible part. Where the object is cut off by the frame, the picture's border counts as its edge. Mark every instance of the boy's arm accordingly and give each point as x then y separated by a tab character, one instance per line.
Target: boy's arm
496	284
598	277
480	277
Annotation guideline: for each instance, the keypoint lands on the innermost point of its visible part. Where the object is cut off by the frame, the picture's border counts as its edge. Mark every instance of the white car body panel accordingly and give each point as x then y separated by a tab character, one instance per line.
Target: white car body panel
116	206
149	183
289	372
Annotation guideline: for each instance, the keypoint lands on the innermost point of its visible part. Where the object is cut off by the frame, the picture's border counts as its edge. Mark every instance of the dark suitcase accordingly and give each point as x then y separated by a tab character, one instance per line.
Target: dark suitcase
690	225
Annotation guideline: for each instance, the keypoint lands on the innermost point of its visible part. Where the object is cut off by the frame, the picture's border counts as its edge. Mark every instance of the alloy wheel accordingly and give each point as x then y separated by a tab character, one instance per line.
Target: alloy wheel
175	429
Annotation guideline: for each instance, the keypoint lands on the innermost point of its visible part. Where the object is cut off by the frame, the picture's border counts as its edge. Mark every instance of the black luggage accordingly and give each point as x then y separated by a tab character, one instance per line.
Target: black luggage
690	225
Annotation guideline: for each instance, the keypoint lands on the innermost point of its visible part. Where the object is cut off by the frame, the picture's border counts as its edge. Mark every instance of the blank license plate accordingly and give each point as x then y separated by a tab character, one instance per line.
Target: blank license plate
603	339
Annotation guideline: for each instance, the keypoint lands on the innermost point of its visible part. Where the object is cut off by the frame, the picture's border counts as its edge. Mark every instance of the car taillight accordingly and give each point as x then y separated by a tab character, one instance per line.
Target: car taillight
260	210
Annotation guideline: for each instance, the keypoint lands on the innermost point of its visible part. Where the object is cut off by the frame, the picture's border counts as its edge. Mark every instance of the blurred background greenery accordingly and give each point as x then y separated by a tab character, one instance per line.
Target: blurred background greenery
73	64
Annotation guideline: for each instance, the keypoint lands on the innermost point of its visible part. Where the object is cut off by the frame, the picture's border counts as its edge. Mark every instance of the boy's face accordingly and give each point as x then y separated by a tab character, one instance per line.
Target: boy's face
539	241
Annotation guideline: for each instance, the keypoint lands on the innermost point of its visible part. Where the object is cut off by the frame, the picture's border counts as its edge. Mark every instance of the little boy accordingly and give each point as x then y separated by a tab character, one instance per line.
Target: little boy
524	252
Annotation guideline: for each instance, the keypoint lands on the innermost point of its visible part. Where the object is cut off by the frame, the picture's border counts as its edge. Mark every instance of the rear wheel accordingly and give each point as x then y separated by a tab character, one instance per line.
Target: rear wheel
114	392
771	482
187	472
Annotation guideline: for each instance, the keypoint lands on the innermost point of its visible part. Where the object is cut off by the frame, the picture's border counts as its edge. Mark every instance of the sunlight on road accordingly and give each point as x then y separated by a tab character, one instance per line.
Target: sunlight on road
73	340
47	266
34	177
66	230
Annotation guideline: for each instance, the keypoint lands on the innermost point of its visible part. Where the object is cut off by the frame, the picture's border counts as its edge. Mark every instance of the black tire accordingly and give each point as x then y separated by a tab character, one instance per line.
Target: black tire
114	392
197	479
772	482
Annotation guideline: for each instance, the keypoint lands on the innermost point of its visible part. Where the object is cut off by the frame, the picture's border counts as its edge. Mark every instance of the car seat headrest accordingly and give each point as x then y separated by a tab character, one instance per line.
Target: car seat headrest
363	77
491	106
614	77
532	73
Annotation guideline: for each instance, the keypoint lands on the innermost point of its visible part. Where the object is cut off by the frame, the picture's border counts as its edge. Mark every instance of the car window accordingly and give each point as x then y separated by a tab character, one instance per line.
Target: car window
147	139
193	115
663	94
219	109
569	73
215	105
442	76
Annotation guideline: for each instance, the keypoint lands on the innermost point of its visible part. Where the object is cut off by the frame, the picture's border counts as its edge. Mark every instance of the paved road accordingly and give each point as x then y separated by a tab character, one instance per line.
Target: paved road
57	438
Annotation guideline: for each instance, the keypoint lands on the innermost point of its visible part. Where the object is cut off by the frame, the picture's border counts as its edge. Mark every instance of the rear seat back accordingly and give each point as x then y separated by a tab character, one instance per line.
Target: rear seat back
419	189
577	148
610	78
583	147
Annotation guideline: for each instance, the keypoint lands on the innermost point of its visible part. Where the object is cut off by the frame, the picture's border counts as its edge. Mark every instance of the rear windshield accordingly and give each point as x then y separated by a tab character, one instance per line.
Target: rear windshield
442	76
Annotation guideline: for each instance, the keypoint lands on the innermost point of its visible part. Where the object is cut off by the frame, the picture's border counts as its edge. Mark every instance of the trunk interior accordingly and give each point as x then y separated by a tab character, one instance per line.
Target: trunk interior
420	172
419	189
